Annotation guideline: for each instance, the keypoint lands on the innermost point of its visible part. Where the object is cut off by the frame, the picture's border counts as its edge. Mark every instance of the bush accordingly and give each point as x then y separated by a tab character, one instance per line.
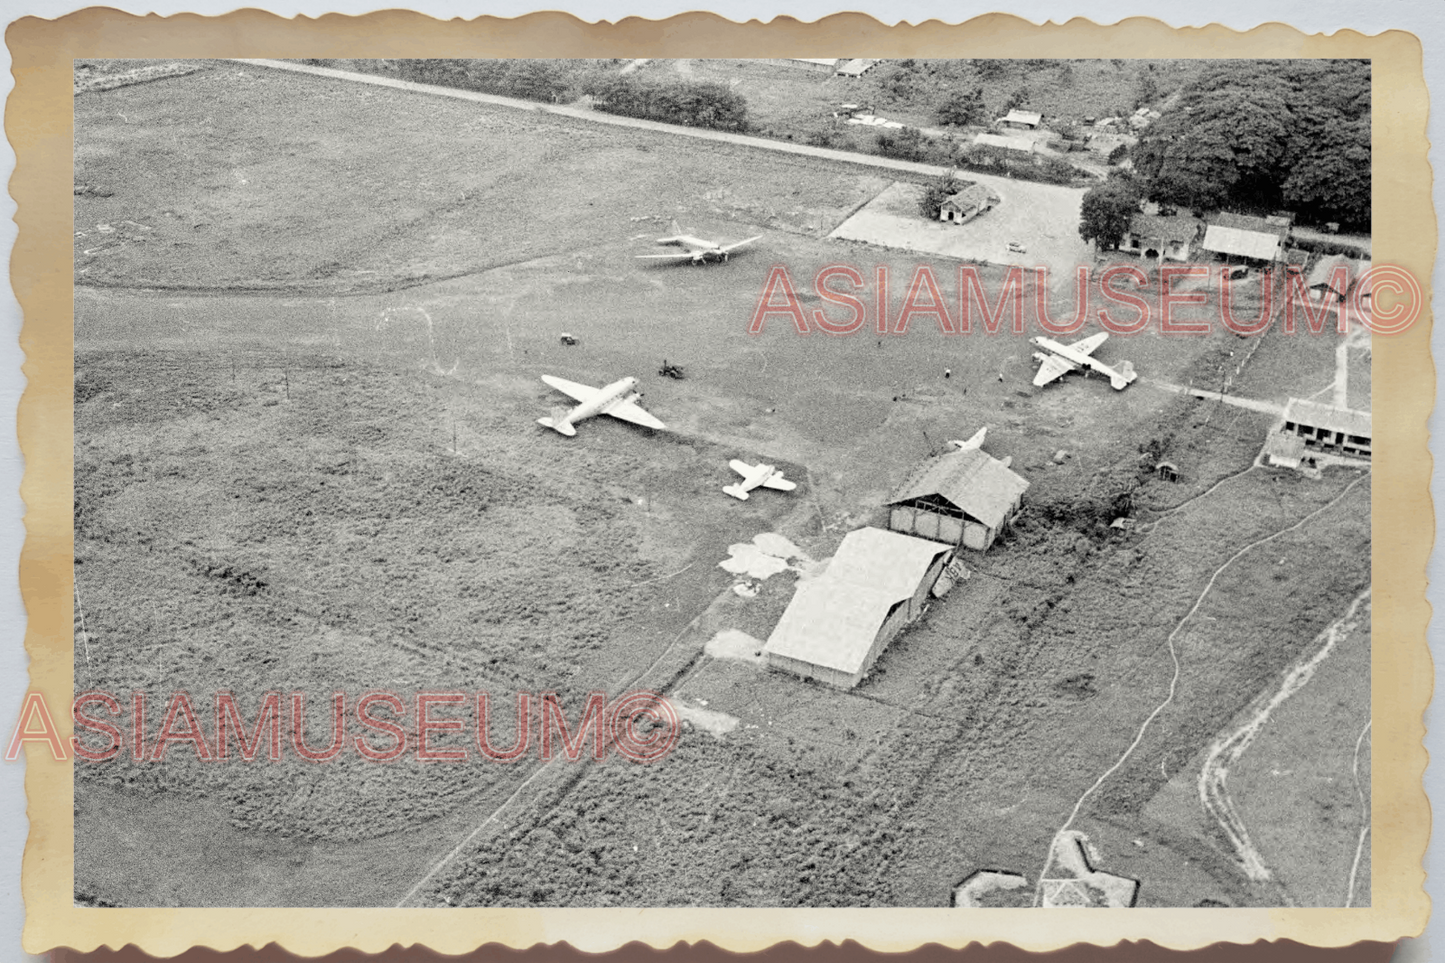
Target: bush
549	81
935	193
906	143
690	103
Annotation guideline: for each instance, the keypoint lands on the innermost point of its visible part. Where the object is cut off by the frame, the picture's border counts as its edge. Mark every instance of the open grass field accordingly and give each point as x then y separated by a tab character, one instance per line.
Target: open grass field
310	320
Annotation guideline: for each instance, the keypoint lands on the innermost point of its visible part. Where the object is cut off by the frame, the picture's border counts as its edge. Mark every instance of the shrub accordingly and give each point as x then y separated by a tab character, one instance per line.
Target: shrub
691	103
906	143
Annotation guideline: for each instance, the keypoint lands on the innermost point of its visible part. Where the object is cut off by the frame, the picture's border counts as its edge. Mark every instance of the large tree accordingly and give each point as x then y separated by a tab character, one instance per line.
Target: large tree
1106	210
963	107
1256	135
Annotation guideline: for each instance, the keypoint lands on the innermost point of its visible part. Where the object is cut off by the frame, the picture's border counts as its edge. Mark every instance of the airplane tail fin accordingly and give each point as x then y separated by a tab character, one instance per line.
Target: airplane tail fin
1124	377
736	492
557	425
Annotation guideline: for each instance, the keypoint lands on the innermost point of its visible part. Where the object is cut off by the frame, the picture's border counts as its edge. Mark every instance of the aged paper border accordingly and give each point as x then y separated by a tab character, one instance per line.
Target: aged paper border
38	123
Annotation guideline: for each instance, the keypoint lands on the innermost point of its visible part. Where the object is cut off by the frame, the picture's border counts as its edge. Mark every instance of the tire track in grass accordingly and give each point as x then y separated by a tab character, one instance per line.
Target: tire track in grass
1226	750
1174	679
1364	817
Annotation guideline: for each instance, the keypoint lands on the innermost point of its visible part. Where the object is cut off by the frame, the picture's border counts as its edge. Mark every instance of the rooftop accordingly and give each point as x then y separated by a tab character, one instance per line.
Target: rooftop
1345	420
833	620
973	481
1165	228
1259	245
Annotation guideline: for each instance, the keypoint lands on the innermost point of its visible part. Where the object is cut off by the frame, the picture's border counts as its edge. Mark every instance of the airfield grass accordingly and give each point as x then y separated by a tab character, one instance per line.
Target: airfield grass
291	316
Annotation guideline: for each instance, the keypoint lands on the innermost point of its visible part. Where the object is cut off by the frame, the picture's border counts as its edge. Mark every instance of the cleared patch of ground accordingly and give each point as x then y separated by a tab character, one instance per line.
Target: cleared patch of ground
1042	218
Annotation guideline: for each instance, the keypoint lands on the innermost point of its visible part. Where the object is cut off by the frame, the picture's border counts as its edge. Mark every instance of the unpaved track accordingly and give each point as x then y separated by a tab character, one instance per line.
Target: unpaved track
1174	678
1020	192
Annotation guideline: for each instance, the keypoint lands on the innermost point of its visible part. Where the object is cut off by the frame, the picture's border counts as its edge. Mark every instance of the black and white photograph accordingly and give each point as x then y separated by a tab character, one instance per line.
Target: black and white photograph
799	482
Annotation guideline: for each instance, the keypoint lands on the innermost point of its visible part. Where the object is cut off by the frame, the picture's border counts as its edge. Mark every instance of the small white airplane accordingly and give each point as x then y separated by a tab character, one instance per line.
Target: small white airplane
695	250
756	475
1059	359
617	399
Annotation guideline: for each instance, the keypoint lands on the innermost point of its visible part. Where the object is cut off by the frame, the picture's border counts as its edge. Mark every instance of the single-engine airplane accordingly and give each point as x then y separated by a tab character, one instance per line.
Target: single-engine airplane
617	399
1059	359
755	475
695	250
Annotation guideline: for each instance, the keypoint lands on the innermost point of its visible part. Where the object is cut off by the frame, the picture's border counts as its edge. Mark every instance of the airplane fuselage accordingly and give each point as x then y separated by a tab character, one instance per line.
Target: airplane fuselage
605	397
700	249
1119	377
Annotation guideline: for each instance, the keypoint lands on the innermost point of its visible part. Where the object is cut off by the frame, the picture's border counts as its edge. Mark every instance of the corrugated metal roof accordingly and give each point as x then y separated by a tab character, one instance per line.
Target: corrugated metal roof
1005	143
1312	413
888	560
833	619
1251	244
973	481
856	67
1244	222
831	624
1023	117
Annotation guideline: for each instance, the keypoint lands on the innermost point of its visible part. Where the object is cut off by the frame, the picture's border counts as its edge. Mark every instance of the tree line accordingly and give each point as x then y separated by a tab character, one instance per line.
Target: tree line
1252	136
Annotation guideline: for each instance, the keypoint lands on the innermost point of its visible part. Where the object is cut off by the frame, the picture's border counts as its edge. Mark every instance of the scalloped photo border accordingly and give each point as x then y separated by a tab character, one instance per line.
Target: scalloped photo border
38	122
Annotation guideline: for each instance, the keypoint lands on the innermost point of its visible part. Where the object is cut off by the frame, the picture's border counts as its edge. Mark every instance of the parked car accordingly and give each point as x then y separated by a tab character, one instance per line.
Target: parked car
1014	247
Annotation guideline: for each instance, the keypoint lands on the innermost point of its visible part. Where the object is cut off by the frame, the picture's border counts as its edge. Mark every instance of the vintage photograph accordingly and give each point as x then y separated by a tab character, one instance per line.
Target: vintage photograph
723	483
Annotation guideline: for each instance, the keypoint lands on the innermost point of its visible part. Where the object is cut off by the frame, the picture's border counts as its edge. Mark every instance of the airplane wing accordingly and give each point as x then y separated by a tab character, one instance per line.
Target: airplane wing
779	482
629	411
579	392
1052	367
740	244
1087	345
677	258
741	467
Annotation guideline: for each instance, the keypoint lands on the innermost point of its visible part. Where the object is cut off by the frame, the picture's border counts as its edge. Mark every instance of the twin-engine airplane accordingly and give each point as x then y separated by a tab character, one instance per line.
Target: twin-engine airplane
1060	359
617	399
754	476
695	250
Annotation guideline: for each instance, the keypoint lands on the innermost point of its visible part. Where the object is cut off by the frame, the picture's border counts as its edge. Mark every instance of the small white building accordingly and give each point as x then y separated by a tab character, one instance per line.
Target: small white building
970	202
1022	119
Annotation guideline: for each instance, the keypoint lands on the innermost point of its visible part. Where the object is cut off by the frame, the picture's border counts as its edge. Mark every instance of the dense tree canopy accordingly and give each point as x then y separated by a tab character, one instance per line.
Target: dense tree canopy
1106	209
1259	135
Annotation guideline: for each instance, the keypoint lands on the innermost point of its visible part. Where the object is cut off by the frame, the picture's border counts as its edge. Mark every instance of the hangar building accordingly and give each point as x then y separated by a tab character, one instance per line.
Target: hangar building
840	622
962	498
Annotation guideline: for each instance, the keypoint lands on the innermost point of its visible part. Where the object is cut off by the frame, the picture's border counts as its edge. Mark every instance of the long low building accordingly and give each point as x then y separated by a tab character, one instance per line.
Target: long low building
840	622
1325	428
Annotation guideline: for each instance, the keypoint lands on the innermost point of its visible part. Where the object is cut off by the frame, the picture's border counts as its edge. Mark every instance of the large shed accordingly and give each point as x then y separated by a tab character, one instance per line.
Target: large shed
961	498
840	622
